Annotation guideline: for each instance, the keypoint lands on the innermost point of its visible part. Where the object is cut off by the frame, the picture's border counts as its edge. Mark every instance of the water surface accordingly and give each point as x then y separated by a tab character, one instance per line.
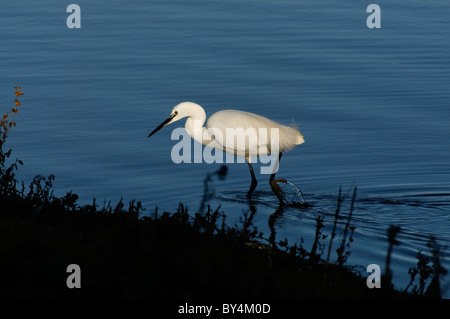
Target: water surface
373	106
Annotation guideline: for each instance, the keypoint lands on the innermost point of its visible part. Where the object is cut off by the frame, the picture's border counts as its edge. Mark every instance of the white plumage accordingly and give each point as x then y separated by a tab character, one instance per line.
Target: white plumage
237	132
257	128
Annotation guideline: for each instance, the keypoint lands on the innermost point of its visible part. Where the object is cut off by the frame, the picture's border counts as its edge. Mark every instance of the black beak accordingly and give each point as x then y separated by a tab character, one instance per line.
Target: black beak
162	125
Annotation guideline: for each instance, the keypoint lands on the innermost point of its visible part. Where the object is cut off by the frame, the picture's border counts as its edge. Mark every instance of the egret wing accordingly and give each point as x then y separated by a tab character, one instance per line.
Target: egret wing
244	133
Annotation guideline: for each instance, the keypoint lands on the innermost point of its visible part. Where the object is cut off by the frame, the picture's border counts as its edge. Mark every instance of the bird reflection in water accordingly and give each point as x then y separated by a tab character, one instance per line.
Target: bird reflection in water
290	196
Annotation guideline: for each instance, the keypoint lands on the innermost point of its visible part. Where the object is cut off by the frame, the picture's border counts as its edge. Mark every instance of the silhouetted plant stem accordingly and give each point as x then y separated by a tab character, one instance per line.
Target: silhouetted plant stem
424	272
392	232
336	216
340	251
248	221
434	288
314	257
221	174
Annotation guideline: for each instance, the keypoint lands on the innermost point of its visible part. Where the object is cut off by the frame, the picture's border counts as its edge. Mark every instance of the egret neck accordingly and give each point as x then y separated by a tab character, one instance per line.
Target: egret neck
196	130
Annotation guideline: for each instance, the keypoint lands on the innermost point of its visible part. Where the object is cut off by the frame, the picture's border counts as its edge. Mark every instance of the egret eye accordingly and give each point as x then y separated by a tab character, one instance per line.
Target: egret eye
176	113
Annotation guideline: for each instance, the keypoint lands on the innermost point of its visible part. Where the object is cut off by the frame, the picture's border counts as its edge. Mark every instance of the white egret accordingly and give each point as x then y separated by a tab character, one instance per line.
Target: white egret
259	131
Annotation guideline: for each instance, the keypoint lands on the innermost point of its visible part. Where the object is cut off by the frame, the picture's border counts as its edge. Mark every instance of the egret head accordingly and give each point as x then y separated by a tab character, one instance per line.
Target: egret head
180	111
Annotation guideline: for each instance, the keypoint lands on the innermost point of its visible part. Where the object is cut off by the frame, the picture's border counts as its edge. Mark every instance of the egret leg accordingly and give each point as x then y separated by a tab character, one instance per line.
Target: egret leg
273	182
254	181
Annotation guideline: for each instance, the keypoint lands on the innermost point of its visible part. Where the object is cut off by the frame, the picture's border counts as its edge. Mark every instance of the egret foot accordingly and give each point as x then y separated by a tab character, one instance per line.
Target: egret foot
276	189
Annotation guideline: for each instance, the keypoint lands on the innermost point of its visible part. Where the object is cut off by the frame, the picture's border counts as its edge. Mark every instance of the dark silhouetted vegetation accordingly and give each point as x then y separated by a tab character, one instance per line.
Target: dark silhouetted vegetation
170	255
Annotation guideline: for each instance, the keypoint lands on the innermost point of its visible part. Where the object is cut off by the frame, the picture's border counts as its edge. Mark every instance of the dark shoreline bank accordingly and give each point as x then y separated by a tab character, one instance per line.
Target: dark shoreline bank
171	256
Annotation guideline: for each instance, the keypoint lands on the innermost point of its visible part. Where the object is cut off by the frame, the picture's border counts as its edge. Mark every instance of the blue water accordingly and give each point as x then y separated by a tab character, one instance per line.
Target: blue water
372	104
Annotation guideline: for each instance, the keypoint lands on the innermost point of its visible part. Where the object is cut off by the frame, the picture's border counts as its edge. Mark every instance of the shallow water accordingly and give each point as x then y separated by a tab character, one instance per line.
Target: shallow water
373	106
